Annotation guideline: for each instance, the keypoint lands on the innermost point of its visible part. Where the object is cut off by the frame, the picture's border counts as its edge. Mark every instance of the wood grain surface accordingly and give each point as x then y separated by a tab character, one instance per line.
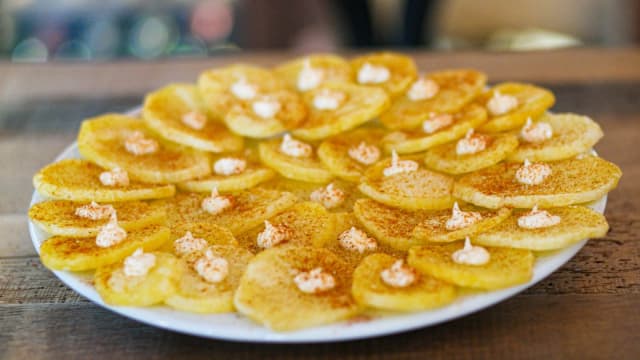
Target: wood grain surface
587	309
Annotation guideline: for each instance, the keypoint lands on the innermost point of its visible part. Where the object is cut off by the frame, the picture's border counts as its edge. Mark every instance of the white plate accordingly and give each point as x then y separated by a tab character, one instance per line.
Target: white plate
238	328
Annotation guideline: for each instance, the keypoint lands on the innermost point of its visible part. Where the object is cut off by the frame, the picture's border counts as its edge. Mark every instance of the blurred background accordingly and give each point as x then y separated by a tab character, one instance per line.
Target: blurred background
89	30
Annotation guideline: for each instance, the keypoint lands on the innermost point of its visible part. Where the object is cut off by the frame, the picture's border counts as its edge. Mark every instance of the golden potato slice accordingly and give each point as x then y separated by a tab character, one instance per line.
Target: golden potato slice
334	152
402	71
250	209
572	181
242	119
215	85
308	169
310	224
79	180
360	104
268	294
303	190
58	217
456	89
433	227
163	112
420	189
411	141
577	223
79	254
330	67
390	226
212	233
533	101
195	294
506	267
445	159
572	135
159	283
101	140
370	290
254	174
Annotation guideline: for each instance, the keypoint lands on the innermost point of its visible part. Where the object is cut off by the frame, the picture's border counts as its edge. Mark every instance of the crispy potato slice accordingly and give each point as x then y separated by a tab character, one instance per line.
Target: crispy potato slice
101	140
212	233
79	180
254	174
310	224
420	189
572	181
412	141
333	68
572	135
506	267
577	223
243	120
268	294
215	85
361	104
303	190
370	290
456	89
79	254
433	227
116	288
402	70
57	217
445	159
195	294
163	111
334	152
533	101
250	209
308	169
390	226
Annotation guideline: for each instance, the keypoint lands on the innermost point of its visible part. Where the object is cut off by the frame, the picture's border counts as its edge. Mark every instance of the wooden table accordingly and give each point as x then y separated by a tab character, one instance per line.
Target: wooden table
588	309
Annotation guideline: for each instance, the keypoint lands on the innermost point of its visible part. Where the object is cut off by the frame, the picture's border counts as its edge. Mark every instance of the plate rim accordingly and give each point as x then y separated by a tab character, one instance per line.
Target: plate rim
334	332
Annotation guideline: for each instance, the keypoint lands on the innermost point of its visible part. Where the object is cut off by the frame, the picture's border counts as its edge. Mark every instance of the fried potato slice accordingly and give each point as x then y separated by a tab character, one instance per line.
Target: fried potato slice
533	101
420	189
215	85
370	290
572	181
310	224
572	135
433	227
457	88
308	169
303	190
402	70
331	67
577	223
212	233
389	225
101	140
79	254
506	267
116	288
243	120
254	174
412	141
195	294
250	208
268	294
360	104
334	152
58	217
79	180
165	108
445	159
